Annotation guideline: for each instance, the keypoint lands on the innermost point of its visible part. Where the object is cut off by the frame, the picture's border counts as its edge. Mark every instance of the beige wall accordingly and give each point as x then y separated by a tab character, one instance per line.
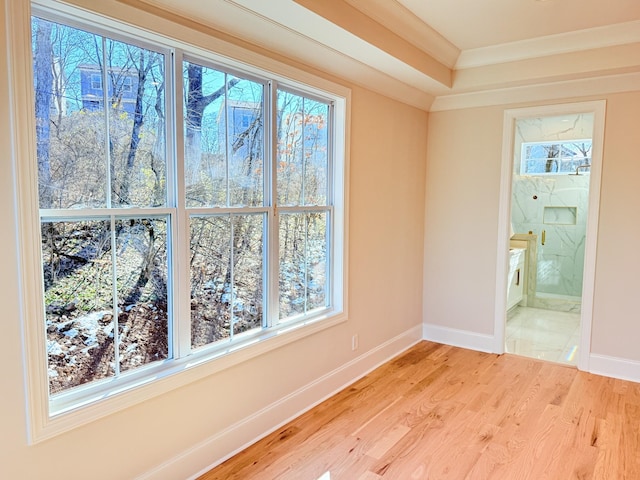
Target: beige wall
616	326
462	193
388	153
462	203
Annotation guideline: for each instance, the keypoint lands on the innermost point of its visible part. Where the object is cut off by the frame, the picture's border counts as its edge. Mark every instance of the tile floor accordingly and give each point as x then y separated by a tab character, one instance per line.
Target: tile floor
543	334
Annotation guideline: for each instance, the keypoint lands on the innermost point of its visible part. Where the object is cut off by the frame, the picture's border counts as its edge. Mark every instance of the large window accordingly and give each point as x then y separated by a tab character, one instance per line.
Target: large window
187	207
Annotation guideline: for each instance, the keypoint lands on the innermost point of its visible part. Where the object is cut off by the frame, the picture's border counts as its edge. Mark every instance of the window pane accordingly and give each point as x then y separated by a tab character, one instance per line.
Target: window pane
303	262
302	150
76	157
248	288
210	279
226	276
70	127
224	139
245	142
315	152
141	272
135	95
77	273
78	276
317	287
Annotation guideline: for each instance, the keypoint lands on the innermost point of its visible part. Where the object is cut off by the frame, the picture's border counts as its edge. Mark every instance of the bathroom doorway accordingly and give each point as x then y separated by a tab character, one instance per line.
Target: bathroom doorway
549	211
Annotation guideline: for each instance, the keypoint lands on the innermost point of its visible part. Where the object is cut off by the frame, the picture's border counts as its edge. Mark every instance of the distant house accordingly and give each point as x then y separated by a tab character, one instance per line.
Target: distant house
121	91
243	118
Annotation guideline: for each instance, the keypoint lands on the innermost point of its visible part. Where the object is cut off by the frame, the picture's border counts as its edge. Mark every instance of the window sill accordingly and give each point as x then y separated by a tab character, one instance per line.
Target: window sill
146	384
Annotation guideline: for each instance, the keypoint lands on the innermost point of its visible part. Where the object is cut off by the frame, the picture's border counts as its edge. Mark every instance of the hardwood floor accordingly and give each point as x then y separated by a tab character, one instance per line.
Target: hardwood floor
440	412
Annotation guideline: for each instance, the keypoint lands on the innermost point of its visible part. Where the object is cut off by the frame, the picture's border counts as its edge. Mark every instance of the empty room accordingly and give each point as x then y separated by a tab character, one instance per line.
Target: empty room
320	239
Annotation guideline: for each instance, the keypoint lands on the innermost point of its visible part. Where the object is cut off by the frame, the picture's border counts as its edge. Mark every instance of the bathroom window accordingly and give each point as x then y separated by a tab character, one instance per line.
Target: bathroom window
556	158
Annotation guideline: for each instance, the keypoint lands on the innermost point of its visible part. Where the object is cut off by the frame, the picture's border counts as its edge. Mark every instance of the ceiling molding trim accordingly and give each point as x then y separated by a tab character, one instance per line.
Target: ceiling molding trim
605	85
602	62
399	19
341	53
588	39
223	42
338	24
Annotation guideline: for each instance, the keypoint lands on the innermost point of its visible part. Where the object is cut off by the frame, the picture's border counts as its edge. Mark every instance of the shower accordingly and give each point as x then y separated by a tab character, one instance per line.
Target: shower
551	167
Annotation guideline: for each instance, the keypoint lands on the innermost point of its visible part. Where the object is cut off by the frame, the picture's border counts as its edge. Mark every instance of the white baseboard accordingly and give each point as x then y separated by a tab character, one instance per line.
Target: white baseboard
226	443
458	338
605	365
615	367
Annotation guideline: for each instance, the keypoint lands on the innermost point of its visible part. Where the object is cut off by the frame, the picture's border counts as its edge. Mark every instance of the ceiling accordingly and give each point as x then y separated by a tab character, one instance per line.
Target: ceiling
439	54
492	22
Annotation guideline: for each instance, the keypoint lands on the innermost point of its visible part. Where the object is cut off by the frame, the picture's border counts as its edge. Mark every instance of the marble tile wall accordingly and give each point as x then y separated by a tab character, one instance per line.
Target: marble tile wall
560	261
561	258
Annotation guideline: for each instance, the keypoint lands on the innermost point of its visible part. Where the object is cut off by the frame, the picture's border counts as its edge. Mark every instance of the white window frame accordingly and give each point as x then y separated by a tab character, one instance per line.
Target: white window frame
524	159
47	419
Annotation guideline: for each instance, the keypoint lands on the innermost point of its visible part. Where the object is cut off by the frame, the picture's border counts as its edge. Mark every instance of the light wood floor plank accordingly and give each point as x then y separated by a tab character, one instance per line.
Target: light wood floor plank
441	412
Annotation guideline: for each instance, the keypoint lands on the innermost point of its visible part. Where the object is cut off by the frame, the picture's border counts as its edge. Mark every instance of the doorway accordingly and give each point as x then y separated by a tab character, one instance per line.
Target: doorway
551	166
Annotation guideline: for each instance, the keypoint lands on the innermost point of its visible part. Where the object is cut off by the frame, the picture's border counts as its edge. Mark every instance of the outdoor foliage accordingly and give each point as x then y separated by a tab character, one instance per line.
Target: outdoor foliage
107	198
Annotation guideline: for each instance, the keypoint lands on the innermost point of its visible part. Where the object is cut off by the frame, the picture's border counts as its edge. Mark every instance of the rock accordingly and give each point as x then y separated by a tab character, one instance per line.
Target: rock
70	307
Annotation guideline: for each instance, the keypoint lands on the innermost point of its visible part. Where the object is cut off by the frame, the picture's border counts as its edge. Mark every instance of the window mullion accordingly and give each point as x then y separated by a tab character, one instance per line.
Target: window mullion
273	220
303	197
330	238
175	122
173	250
114	289
227	151
330	155
107	124
306	260
232	295
329	284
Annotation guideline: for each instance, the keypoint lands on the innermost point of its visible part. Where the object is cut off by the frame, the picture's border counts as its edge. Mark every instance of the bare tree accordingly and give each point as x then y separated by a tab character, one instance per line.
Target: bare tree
553	152
145	62
43	70
196	103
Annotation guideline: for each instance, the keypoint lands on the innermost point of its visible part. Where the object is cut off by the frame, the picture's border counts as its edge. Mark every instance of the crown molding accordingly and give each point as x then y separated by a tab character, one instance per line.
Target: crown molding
588	39
614	60
243	30
587	87
287	31
341	26
399	19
